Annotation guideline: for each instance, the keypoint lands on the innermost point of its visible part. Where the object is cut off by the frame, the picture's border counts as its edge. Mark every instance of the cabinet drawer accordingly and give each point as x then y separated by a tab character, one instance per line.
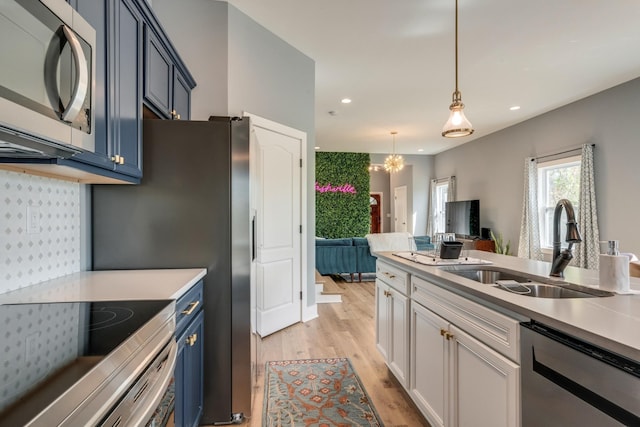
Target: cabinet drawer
500	332
188	306
393	276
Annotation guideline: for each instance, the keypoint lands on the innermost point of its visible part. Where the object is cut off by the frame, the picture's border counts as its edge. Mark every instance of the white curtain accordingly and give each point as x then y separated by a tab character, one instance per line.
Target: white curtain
529	242
587	252
451	196
432	208
451	193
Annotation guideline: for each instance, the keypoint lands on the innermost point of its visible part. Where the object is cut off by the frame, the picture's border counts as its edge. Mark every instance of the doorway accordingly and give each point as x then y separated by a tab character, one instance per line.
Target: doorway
278	277
400	208
375	208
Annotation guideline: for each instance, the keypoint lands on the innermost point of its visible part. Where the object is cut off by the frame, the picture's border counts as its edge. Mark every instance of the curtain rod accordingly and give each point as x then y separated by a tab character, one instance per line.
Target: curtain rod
559	153
443	179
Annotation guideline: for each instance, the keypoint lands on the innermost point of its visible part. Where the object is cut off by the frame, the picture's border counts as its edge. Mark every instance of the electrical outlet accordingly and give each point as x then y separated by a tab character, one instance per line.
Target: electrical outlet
33	220
31	346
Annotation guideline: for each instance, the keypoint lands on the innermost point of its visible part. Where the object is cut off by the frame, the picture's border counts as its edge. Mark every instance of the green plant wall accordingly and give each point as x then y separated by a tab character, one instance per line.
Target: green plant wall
342	194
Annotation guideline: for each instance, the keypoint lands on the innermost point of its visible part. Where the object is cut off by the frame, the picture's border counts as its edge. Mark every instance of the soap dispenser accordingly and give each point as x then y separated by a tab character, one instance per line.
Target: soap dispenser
614	269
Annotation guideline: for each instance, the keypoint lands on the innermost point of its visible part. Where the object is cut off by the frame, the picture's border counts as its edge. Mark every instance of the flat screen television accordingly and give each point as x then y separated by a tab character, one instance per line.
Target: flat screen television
463	218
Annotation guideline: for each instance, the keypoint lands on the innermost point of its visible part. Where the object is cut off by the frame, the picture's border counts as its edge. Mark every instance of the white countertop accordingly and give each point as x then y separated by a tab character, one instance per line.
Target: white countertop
110	285
610	322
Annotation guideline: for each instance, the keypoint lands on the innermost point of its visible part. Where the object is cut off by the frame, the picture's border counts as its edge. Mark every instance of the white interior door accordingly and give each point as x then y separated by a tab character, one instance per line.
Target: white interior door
276	188
400	208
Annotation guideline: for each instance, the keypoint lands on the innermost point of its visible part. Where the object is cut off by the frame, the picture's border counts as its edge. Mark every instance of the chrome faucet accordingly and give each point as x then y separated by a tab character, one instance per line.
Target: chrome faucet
561	259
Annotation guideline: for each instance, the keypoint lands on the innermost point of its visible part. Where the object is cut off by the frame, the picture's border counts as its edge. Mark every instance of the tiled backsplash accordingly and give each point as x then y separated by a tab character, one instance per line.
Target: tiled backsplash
39	231
53	332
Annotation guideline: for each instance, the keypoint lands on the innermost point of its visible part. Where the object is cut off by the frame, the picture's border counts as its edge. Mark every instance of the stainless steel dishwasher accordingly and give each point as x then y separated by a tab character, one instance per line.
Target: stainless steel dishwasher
567	382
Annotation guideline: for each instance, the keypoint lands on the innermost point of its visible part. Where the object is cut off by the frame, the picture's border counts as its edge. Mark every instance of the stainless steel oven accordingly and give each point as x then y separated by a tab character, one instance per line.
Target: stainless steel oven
108	363
47	57
140	403
568	382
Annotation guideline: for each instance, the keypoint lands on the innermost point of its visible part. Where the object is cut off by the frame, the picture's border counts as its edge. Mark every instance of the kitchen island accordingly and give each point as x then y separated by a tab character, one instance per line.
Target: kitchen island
457	345
610	322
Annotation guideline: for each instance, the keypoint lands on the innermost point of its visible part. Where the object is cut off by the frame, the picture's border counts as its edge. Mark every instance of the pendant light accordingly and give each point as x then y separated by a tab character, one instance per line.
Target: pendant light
394	162
457	125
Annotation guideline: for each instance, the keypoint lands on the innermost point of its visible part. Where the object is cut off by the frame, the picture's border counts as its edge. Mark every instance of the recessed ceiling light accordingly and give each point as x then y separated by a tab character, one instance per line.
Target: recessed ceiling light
420	150
317	148
514	108
345	101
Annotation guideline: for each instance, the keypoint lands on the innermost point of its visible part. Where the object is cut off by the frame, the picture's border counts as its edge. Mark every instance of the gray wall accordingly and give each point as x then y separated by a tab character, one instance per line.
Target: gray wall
492	168
199	31
416	176
242	67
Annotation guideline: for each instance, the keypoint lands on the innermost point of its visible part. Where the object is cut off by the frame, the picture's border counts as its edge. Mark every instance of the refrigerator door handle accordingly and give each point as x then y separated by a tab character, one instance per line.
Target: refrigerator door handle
253	238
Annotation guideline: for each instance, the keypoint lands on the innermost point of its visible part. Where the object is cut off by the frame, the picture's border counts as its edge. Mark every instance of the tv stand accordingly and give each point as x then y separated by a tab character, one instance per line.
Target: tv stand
478	244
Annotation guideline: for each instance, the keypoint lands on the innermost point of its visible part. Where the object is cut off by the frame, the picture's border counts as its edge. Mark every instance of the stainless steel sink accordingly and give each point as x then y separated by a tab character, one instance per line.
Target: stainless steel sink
487	274
553	291
527	284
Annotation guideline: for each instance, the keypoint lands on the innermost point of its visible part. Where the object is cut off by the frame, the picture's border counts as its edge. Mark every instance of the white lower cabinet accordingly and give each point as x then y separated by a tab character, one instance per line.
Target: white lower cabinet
455	379
486	385
392	329
429	365
392	319
464	359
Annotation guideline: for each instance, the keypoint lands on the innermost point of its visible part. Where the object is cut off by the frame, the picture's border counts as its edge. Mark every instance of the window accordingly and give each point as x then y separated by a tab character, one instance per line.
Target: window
557	179
442	189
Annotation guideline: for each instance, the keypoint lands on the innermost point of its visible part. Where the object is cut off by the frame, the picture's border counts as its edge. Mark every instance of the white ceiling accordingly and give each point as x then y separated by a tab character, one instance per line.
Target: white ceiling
395	60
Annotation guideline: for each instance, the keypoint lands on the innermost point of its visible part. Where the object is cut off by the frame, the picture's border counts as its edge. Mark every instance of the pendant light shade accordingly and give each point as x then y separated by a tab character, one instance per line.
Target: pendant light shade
457	125
394	162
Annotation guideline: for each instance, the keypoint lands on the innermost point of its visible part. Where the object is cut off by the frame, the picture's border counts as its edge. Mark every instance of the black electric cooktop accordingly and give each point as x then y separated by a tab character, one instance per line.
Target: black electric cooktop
42	340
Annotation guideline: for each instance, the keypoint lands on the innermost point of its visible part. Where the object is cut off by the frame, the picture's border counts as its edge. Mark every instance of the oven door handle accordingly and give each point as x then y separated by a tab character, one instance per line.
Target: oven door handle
159	386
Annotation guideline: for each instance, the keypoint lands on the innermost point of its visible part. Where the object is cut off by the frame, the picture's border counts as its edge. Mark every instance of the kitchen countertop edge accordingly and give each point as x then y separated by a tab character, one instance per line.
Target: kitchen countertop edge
109	285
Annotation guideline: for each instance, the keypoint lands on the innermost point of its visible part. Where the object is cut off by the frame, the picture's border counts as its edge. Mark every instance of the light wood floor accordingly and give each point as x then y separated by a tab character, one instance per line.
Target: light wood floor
343	329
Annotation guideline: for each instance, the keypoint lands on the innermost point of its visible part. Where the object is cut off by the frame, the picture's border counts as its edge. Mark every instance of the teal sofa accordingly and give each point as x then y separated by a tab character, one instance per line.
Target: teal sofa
352	255
335	256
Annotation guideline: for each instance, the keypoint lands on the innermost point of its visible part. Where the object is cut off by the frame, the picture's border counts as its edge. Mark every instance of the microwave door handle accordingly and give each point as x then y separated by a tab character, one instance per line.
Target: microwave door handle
82	77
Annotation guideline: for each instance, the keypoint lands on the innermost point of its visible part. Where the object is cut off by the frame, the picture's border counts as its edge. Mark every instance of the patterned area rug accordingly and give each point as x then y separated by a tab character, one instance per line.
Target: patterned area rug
316	392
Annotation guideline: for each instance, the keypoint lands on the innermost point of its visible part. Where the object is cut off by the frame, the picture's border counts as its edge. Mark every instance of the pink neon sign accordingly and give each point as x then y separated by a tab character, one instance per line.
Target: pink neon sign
328	188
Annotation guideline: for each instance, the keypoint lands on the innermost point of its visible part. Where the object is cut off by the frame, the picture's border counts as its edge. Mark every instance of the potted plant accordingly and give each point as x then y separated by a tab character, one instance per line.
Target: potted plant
500	247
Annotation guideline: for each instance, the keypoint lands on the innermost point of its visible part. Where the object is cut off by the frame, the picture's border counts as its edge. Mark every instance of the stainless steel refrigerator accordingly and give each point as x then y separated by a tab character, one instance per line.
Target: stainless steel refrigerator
192	210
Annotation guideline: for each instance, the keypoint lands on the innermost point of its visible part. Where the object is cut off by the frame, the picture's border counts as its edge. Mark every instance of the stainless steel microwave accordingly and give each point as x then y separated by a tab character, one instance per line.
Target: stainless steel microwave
47	63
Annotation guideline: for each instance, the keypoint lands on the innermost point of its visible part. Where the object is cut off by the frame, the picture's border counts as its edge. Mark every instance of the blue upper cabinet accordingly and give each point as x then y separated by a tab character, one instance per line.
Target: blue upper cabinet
125	82
167	84
119	25
181	97
158	73
136	65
